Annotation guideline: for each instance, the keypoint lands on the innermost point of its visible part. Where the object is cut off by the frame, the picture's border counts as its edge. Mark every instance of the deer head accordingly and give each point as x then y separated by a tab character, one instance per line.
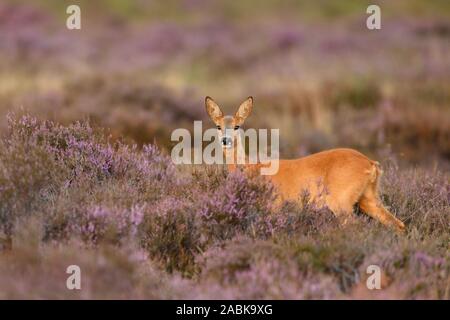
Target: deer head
228	126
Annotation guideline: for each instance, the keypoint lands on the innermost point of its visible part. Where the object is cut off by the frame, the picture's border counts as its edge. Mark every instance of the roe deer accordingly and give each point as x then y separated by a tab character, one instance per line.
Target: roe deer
347	176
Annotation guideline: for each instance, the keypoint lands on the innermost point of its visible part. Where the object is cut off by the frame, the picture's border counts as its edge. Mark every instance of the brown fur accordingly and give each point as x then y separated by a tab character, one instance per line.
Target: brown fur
336	178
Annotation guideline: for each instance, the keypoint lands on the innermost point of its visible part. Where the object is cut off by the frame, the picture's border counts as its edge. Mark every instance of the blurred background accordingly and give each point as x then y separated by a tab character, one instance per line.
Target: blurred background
142	68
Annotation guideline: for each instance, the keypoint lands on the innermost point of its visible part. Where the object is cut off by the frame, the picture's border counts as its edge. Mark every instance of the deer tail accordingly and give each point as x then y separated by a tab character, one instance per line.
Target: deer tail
375	171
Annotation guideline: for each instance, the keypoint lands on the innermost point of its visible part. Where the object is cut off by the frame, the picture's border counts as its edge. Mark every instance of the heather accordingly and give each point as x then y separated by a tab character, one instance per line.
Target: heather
85	124
71	194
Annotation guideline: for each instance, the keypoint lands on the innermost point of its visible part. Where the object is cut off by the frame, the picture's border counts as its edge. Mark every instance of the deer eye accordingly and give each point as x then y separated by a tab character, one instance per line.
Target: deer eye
236	127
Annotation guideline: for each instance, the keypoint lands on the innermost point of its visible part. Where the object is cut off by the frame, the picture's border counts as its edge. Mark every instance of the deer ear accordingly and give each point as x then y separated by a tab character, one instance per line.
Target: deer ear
213	110
244	111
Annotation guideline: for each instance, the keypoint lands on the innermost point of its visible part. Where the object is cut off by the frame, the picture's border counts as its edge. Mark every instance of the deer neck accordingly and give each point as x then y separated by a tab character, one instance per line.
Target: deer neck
235	157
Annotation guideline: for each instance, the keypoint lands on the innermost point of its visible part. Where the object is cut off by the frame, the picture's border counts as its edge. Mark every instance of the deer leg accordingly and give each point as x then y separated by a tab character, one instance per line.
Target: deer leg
342	209
372	206
341	201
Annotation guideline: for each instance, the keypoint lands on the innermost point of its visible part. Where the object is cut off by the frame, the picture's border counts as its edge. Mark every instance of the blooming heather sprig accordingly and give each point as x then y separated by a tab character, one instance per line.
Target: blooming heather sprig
102	223
172	235
238	203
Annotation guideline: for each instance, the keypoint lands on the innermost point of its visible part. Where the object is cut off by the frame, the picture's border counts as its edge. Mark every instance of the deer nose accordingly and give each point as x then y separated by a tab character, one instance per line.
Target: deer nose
226	141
